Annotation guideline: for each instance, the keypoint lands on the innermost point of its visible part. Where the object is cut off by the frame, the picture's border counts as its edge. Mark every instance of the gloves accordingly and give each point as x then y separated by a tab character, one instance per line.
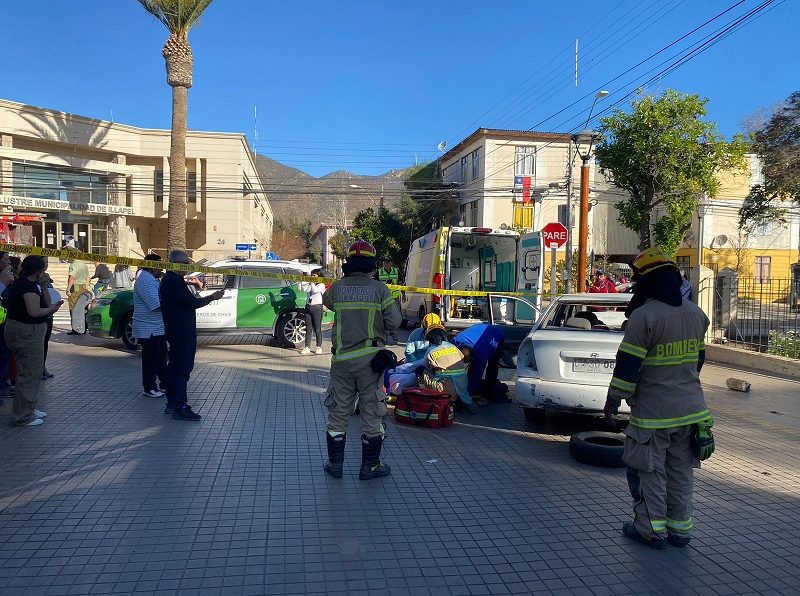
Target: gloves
382	360
704	439
610	409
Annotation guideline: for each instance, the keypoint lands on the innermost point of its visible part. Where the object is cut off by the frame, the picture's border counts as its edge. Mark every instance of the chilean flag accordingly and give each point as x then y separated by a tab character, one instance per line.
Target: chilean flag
526	189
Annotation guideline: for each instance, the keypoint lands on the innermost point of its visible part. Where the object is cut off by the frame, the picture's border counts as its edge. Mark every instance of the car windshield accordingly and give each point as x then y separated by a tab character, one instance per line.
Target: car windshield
587	317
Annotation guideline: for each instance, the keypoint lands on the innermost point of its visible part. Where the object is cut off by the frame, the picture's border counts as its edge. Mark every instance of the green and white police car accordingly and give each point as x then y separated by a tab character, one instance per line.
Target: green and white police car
250	305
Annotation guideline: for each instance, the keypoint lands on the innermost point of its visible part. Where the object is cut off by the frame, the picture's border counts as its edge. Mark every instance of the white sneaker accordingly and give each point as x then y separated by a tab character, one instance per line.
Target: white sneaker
305	352
40	414
153	393
35	422
318	351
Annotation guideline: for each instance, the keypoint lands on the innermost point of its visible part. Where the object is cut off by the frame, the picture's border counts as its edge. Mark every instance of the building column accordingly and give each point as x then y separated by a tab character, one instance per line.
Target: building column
6	171
117	223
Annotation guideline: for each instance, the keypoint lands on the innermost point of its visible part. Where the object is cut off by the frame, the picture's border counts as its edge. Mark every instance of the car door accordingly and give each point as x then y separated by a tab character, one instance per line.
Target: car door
260	300
530	270
515	317
219	315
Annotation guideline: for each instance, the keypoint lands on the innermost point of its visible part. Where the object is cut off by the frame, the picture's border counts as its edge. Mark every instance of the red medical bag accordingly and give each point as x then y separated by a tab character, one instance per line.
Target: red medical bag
424	407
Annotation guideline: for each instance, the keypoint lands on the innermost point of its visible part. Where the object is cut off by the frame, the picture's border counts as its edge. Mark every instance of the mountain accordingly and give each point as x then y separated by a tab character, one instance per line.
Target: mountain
297	196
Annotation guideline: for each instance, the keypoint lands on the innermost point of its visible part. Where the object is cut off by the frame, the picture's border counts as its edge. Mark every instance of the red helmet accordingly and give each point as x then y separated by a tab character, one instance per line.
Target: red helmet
361	248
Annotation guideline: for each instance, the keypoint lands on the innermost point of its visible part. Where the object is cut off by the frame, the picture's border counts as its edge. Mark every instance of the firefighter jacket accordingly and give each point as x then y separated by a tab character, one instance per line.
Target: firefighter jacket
449	372
391	277
365	312
658	366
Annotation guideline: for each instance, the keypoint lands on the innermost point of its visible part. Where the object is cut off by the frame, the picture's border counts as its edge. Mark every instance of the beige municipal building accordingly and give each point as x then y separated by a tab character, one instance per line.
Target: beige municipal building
107	185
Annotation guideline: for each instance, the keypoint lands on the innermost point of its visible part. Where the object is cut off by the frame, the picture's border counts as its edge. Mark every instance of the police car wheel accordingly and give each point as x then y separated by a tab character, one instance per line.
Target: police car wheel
127	333
598	448
291	329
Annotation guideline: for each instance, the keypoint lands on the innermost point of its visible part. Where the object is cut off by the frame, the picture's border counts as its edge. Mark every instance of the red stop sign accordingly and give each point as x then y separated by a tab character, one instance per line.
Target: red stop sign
555	234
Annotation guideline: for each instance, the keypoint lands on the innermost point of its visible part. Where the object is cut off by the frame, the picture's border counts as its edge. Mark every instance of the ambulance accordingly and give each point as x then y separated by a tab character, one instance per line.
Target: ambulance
476	259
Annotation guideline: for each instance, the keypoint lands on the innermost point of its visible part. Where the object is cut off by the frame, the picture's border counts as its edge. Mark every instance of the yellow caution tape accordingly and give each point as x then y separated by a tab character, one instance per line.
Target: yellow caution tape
74	255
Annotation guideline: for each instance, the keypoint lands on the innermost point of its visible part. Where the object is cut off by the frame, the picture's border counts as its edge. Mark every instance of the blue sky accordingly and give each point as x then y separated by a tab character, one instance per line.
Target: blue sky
367	86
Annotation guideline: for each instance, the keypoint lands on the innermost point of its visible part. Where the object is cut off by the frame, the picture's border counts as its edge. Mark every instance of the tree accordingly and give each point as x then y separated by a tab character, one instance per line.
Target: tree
777	143
178	16
667	158
430	202
384	231
292	240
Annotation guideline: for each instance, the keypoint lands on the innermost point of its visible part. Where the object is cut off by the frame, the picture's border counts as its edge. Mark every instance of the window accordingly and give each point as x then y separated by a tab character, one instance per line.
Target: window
473	214
464	169
191	187
562	216
475	163
763	269
260	283
525	161
158	186
763	229
683	262
523	216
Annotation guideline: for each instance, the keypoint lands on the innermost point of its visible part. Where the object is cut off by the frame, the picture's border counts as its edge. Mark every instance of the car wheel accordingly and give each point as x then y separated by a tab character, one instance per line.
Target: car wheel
127	333
598	448
534	414
291	329
421	315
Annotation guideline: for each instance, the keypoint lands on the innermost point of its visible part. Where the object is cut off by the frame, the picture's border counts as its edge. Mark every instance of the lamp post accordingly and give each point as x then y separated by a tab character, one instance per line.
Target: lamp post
585	136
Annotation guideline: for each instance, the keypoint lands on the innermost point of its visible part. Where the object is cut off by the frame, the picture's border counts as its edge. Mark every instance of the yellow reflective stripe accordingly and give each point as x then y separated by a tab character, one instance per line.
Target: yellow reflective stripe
420	414
657	423
451	373
658	525
371	324
656	361
338	332
366	351
622	385
356	306
388	302
680	525
633	350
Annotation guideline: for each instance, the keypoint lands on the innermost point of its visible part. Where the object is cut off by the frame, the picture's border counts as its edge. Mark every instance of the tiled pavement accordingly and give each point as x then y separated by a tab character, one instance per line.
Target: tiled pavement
111	496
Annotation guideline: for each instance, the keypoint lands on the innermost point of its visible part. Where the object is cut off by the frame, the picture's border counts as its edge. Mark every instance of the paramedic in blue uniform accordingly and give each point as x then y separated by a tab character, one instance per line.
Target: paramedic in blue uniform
482	346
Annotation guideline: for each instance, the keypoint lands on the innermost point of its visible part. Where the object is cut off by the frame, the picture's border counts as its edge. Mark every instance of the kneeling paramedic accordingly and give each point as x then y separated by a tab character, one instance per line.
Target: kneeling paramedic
445	369
365	313
658	374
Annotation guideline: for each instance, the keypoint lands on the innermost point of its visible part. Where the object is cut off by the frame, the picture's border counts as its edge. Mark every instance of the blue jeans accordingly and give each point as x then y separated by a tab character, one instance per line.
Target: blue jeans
102	285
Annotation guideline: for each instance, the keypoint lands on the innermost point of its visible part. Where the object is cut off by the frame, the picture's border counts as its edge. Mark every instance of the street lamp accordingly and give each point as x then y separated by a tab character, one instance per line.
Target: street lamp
586	137
369	196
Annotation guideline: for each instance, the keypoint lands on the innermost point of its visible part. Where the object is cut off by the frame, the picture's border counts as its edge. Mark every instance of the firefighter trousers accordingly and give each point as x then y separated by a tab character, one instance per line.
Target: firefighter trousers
348	383
664	461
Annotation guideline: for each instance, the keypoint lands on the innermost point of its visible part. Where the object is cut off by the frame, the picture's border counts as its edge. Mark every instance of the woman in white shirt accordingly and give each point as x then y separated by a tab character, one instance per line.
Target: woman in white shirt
313	311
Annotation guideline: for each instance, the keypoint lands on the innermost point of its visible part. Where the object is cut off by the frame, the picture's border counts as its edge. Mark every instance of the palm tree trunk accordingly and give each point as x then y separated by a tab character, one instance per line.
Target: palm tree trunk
176	215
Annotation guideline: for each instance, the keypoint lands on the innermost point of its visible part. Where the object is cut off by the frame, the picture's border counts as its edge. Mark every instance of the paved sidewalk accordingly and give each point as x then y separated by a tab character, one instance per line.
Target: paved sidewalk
111	496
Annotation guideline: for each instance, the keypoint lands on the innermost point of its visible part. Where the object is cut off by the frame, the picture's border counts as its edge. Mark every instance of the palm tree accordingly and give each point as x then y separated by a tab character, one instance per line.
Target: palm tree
178	16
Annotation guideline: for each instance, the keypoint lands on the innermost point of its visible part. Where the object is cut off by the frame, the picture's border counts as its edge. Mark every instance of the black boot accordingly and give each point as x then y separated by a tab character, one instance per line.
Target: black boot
335	461
371	465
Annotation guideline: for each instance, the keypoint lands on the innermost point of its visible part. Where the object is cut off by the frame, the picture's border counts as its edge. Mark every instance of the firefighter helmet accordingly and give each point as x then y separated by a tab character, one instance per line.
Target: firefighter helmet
650	260
430	319
361	248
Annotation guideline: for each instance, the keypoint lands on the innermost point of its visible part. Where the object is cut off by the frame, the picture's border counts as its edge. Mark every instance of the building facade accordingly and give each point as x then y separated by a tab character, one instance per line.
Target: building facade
107	185
516	179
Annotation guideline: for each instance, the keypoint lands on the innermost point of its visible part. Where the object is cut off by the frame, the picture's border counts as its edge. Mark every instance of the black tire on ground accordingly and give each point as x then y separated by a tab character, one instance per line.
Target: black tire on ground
126	329
598	448
508	359
534	414
290	330
403	323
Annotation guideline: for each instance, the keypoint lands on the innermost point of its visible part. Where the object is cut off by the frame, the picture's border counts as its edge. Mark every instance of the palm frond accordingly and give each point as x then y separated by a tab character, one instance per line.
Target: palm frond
178	16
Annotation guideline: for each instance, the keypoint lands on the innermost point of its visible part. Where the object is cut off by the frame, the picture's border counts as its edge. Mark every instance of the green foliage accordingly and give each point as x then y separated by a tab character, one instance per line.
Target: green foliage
178	16
431	203
383	230
338	244
777	143
665	156
787	345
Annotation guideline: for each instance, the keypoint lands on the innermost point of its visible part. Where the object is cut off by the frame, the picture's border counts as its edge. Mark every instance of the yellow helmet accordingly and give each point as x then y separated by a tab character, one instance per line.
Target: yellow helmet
651	259
430	319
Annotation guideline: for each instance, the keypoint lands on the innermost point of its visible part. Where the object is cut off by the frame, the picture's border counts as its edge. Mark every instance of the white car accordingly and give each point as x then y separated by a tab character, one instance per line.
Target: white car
566	362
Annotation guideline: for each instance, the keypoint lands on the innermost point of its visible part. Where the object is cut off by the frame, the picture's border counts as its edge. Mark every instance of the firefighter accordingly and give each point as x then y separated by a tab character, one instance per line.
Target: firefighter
658	374
390	275
365	312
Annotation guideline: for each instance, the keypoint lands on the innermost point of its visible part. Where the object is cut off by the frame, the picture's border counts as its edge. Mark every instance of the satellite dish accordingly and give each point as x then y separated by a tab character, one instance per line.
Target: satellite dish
721	239
441	145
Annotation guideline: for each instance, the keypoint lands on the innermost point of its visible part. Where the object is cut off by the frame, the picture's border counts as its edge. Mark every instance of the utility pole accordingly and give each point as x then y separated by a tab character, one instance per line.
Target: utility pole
568	248
583	222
